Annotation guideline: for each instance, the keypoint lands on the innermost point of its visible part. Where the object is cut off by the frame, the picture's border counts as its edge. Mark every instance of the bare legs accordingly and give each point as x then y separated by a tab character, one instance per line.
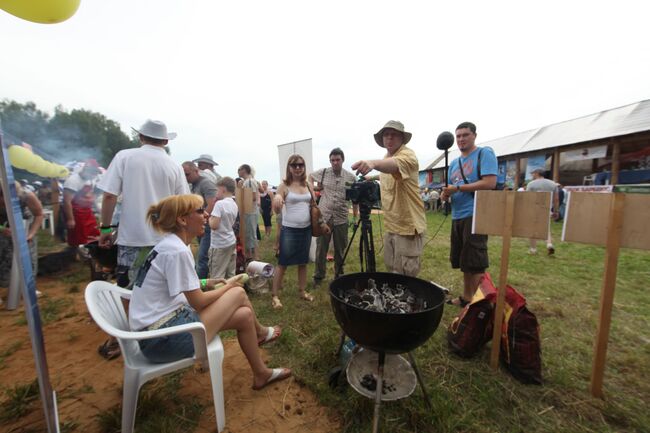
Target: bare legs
470	284
277	284
233	310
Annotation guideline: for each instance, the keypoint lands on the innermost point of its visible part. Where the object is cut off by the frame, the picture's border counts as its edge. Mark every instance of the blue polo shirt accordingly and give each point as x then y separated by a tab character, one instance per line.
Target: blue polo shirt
462	204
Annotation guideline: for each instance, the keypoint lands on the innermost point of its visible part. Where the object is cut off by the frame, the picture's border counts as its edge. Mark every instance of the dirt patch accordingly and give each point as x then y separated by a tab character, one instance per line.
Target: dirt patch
88	385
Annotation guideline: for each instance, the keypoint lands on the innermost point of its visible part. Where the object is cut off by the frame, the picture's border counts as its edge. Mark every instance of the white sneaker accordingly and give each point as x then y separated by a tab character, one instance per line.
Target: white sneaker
39	293
532	251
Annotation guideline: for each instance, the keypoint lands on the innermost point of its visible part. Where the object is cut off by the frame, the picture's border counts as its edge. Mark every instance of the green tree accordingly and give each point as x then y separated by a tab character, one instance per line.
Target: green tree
23	121
82	134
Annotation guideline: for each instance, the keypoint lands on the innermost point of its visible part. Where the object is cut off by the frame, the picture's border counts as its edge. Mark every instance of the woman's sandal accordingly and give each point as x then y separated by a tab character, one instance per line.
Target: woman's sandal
306	297
272	334
459	302
277	374
275	303
110	349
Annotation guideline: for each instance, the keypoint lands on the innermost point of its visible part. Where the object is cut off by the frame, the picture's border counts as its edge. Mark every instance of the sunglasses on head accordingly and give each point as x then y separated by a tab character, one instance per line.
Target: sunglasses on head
297	165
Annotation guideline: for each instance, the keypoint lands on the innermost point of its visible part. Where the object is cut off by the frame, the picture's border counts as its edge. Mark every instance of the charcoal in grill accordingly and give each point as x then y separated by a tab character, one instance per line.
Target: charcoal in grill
388	299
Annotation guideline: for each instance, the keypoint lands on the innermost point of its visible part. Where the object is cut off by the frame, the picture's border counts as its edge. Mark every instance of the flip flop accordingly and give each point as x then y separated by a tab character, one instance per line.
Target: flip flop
306	297
459	302
272	334
275	303
110	349
276	375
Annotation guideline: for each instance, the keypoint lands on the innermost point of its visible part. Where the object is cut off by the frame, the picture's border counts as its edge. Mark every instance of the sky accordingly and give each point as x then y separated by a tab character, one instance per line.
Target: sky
237	79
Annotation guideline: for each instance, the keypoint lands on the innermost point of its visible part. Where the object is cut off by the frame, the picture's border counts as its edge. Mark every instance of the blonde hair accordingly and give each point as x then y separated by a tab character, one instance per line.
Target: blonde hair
163	215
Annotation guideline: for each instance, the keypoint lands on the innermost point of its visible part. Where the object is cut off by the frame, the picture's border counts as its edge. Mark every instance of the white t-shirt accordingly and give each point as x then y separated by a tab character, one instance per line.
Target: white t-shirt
143	176
158	289
75	182
223	237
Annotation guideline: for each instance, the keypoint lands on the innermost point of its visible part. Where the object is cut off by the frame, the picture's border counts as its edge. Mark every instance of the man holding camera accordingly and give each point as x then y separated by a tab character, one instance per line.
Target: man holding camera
331	183
476	169
402	206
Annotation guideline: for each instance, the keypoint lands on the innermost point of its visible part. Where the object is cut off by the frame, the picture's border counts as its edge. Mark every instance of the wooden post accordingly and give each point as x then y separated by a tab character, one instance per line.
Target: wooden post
556	166
517	174
503	279
616	164
614	228
239	198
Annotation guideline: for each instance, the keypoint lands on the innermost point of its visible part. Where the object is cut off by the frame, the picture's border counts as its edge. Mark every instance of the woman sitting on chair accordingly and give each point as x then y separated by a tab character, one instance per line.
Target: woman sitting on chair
167	292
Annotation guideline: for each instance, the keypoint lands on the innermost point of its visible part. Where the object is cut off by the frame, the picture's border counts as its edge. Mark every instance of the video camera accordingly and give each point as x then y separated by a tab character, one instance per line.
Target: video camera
365	192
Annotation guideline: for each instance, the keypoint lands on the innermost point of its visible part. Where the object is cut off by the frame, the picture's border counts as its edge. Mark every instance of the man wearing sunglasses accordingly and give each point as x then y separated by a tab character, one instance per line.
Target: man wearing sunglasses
402	206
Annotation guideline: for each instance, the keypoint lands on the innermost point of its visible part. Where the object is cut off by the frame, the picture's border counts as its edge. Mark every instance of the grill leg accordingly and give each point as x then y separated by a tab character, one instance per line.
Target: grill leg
380	385
419	376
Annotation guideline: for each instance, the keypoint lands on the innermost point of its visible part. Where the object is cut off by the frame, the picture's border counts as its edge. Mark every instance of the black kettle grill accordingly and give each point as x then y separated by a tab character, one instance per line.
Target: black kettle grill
391	333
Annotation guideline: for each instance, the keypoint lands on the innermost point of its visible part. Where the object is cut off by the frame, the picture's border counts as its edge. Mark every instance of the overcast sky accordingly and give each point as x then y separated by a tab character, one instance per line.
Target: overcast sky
235	79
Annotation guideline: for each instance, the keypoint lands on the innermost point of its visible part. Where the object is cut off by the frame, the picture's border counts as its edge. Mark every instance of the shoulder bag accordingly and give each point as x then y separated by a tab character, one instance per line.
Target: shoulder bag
318	227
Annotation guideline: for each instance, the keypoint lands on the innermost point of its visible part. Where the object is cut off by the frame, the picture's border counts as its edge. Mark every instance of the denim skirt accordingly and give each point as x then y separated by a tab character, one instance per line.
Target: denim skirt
294	246
172	347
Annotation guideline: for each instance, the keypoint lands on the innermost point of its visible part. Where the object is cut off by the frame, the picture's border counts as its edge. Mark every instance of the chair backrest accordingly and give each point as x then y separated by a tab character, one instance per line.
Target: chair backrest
104	302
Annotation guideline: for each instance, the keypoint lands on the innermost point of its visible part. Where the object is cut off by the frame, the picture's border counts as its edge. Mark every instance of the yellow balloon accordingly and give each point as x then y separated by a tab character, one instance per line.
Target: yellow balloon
41	11
20	157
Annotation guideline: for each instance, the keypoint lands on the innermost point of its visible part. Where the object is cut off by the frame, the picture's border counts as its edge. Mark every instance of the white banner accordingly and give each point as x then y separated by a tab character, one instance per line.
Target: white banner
586	153
302	148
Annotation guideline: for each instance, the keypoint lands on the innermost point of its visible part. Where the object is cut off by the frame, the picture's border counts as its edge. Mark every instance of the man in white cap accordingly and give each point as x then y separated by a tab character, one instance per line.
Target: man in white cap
143	177
404	217
206	165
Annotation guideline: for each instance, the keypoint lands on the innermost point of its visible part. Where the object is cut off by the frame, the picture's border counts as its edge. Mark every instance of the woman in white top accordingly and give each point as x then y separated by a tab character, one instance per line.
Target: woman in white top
293	198
167	292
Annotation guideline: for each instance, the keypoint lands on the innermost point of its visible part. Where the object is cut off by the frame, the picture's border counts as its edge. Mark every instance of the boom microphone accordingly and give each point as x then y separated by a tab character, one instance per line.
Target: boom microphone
445	140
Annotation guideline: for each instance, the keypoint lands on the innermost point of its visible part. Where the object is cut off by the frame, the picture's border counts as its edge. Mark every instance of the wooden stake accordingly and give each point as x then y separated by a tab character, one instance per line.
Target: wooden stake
503	278
614	229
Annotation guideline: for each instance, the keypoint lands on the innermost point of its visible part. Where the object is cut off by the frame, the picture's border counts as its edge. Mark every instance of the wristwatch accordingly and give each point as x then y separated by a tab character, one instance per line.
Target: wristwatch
458	188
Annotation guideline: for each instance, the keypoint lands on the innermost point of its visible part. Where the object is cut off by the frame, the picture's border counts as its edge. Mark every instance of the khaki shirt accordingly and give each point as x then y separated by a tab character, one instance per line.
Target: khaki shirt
332	197
400	196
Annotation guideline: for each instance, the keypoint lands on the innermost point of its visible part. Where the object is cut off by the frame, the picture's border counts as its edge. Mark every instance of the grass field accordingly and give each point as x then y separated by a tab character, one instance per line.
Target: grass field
562	290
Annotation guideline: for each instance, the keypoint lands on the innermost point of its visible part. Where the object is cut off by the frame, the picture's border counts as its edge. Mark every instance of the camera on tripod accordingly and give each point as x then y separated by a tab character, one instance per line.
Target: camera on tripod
364	192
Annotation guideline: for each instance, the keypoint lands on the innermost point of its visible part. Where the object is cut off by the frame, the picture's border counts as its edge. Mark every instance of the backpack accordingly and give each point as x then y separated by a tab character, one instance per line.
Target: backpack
469	332
498	186
521	351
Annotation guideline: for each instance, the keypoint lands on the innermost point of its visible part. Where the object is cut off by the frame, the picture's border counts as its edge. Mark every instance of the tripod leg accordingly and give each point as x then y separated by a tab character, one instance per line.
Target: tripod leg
354	232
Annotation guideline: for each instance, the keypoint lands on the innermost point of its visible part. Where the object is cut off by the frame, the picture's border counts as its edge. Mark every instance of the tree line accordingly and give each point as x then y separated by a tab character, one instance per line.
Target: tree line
77	134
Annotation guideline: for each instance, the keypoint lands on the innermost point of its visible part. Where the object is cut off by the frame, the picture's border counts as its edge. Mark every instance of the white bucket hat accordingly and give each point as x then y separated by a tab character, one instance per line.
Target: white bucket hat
205	158
155	129
397	126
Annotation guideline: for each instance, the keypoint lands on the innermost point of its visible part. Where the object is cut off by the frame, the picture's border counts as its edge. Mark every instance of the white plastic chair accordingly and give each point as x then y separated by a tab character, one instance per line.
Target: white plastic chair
105	307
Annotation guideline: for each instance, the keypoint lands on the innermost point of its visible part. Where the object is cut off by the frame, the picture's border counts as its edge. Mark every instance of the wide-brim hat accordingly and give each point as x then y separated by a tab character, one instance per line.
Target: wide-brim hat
205	158
155	129
397	126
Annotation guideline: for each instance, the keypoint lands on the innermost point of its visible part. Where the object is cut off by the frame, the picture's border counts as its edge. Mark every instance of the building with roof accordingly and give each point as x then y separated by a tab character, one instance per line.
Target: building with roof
608	147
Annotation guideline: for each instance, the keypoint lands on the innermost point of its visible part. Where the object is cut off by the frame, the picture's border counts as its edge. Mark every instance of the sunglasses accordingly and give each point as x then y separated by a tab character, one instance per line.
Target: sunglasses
297	165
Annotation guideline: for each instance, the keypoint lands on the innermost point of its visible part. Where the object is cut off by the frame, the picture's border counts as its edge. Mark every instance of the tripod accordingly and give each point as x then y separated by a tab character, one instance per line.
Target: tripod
366	242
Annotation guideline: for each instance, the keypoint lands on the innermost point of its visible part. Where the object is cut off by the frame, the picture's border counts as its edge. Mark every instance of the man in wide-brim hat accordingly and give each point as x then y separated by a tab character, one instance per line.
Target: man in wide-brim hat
404	217
206	165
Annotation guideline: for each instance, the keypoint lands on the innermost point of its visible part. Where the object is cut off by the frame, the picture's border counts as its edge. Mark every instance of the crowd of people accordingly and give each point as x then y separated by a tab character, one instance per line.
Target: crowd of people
153	208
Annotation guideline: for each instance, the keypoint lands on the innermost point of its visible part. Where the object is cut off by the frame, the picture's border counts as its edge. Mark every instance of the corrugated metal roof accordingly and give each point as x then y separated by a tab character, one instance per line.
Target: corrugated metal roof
609	123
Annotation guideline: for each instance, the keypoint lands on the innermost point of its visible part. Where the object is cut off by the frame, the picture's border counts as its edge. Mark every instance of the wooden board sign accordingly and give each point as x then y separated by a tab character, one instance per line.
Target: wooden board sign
531	214
587	218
